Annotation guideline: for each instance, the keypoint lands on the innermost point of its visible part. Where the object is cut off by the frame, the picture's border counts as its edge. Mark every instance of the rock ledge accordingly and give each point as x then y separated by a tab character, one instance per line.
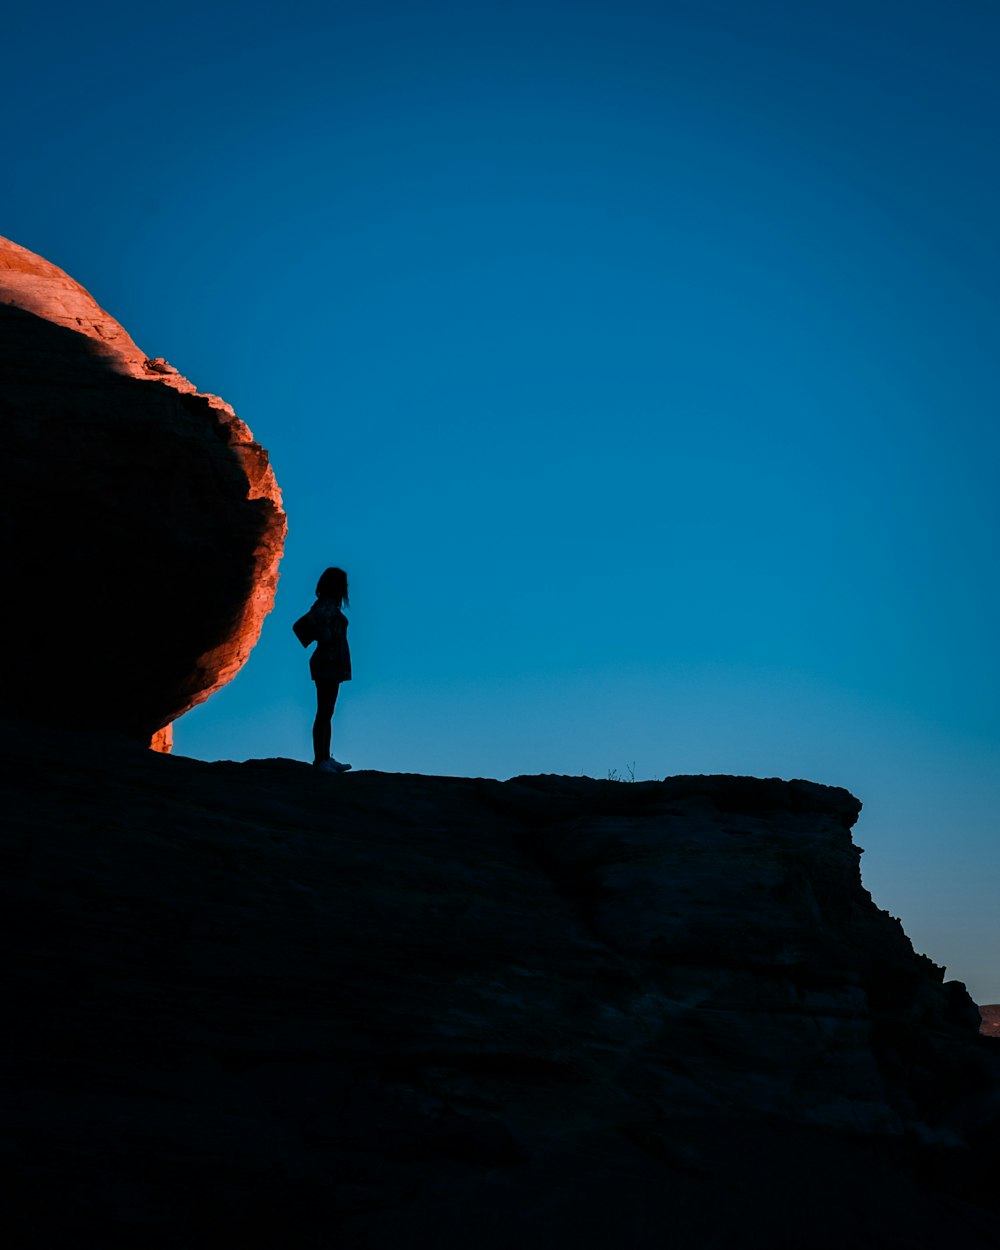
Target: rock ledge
257	1003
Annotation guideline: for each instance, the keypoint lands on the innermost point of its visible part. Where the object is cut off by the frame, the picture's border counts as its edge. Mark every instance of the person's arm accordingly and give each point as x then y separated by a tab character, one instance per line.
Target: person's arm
305	629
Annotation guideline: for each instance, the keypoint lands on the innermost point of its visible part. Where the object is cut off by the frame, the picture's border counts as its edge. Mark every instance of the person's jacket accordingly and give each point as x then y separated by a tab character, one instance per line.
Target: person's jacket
326	625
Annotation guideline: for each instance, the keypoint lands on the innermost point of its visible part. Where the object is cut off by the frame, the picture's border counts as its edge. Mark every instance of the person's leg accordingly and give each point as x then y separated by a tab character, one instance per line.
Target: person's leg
326	701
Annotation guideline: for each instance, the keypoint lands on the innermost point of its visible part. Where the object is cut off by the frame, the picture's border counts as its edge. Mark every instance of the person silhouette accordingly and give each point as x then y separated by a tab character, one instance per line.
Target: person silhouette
330	664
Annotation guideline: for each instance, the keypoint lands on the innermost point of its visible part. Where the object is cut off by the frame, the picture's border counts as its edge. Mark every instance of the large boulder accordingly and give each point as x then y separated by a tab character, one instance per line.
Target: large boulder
143	525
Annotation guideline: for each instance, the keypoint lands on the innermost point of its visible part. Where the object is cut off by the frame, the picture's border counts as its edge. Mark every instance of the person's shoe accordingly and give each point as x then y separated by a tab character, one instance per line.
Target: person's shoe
331	766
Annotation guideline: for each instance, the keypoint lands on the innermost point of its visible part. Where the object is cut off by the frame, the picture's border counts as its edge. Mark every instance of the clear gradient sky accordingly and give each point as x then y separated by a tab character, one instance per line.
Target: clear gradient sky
637	360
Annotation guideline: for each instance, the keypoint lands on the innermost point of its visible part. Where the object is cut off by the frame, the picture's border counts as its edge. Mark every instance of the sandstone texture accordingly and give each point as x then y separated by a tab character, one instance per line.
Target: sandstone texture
142	527
252	1004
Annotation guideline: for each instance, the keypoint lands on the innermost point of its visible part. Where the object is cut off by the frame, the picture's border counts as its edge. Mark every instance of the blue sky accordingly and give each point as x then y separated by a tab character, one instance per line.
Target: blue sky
636	360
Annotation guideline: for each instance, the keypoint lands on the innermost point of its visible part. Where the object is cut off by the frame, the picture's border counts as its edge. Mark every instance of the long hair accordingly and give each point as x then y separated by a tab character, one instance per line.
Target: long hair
333	585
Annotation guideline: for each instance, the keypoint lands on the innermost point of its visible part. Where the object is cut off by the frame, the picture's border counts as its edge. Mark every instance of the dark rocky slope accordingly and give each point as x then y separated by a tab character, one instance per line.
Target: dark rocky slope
249	1004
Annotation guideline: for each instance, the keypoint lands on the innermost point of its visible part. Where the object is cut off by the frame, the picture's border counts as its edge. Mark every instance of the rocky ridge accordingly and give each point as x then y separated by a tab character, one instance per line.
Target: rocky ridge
256	1004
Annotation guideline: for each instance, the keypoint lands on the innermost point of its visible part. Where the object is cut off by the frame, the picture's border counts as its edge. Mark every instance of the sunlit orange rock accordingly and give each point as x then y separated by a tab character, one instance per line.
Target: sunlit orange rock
143	524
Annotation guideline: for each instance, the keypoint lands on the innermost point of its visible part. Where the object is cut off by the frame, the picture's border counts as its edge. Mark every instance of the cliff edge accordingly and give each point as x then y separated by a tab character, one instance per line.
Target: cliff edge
252	1004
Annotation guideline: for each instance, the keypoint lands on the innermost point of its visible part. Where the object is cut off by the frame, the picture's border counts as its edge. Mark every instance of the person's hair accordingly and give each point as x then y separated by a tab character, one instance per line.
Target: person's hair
333	585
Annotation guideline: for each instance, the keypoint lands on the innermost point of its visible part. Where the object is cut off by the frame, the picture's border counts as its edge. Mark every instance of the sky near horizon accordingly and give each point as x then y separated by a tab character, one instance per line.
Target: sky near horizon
637	361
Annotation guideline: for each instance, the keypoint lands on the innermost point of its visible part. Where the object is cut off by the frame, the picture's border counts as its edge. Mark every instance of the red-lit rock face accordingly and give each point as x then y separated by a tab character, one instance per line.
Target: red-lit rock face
143	525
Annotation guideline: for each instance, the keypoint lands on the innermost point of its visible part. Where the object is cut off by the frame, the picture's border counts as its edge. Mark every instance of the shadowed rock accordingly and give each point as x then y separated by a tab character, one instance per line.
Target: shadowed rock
142	523
257	1005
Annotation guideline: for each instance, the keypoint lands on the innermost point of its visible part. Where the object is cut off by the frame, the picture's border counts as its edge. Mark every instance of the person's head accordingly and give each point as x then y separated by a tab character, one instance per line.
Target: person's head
333	585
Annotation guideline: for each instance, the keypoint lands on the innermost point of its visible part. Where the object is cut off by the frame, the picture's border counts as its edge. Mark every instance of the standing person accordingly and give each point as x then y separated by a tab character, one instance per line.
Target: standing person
330	664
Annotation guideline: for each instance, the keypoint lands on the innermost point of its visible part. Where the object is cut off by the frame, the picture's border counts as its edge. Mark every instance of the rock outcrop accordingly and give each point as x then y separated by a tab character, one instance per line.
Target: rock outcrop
142	527
258	1005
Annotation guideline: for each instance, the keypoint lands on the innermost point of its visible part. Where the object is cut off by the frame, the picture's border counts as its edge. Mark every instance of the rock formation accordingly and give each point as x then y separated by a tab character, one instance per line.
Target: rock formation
255	1005
143	524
